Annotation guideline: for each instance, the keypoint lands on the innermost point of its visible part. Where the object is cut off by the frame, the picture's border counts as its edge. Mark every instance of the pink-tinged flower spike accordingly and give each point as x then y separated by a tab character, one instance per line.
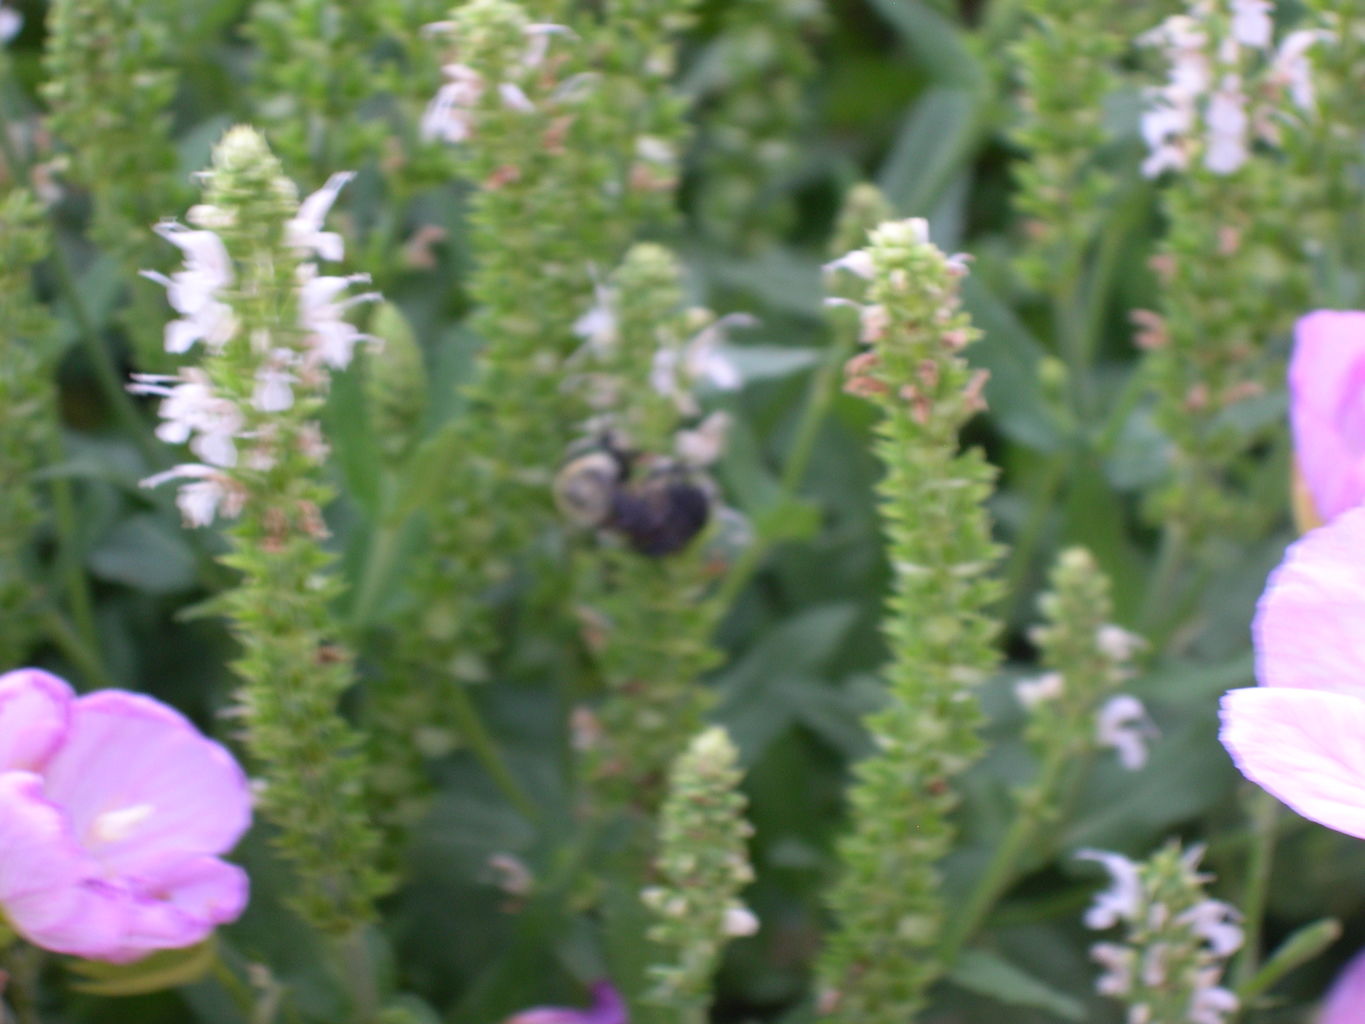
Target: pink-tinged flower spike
1326	381
113	811
1345	1004
1299	735
607	1008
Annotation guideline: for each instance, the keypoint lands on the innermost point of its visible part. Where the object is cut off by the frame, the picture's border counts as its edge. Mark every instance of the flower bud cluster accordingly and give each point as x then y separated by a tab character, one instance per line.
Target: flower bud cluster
702	865
268	329
1176	941
879	962
1073	707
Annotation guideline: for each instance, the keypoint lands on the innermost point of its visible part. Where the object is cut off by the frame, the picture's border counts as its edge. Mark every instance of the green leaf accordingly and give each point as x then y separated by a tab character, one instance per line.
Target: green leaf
987	974
1307	943
939	45
165	969
935	142
769	362
146	552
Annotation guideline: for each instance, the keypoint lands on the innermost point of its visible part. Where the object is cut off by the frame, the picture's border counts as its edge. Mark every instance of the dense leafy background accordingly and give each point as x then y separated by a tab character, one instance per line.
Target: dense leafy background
918	98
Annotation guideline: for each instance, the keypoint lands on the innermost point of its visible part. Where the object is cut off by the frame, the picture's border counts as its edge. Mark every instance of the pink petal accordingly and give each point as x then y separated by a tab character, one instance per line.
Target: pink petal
1345	1004
182	907
1308	622
1304	748
1326	411
49	891
143	788
34	711
607	1008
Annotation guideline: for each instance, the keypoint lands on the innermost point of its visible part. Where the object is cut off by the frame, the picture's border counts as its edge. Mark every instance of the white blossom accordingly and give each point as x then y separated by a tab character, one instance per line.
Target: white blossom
1209	1003
1217	923
1120	902
1290	69
705	443
274	388
1032	692
858	262
304	231
450	114
598	326
1117	961
1227	123
331	339
194	291
194	412
11	21
1251	23
1117	643
740	922
1122	724
209	493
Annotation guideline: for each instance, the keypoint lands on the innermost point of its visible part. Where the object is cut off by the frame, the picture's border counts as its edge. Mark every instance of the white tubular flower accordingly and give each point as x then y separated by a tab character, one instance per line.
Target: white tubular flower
705	443
538	36
1218	924
857	262
1123	900
1211	1004
304	232
1117	961
449	116
1122	724
1227	123
1032	692
598	326
1117	643
11	21
740	922
274	388
331	338
676	373
208	494
194	290
1290	68
514	98
1251	23
194	412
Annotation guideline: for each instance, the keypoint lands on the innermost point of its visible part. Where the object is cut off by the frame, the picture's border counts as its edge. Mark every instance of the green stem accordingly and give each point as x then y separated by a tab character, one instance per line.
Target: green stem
1000	872
23	962
358	967
480	740
1162	582
1025	543
1264	815
819	397
69	560
67	640
228	981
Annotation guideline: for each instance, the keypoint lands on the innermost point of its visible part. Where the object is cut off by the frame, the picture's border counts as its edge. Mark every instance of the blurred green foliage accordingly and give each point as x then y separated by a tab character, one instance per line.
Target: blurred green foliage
919	96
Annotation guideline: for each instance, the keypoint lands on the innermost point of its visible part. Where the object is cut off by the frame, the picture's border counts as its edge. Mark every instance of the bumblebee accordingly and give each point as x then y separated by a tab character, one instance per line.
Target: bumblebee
655	505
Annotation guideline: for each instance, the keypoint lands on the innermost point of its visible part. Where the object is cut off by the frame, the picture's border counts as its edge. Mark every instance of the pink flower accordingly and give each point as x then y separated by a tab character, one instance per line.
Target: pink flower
113	809
1301	734
1326	411
1345	1004
607	1008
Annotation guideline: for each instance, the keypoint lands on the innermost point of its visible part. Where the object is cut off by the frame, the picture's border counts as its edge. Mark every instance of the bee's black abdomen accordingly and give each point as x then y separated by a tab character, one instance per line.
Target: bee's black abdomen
660	517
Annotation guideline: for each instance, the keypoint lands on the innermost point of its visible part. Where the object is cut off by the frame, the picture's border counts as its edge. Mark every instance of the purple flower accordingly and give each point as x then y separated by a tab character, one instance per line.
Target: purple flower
607	1008
1301	734
1326	382
1345	1004
113	809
